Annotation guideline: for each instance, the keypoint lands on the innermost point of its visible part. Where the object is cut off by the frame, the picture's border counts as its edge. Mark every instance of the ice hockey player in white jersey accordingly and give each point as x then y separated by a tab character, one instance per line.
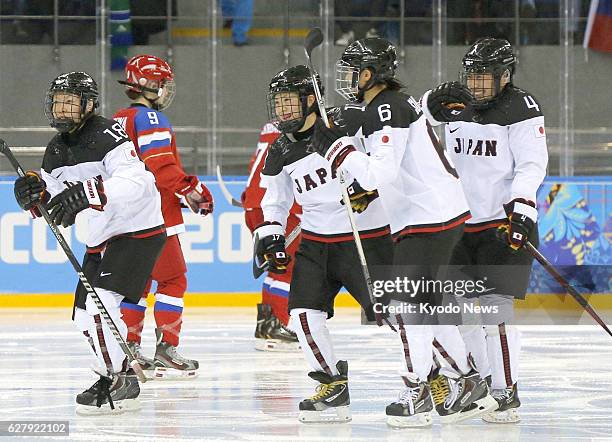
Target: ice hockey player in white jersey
422	194
91	168
327	256
495	134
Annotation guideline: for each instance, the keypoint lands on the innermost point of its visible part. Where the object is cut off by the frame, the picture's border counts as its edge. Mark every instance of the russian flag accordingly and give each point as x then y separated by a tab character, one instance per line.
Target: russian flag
598	34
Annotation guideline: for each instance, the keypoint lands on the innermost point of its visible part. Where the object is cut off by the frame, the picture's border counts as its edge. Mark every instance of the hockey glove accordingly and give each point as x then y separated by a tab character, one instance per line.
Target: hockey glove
64	206
360	198
522	216
270	248
199	199
331	143
448	100
30	190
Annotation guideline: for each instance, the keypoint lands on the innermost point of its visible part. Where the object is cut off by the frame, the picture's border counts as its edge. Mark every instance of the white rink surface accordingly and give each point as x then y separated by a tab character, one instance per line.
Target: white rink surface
242	394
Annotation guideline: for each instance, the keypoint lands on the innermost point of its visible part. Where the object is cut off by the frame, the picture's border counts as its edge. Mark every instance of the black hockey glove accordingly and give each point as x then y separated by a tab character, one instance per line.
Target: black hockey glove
270	248
360	198
64	206
448	100
329	142
522	216
30	190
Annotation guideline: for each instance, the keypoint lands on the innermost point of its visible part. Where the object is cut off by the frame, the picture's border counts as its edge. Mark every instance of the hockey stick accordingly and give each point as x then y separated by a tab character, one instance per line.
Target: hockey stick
260	268
312	40
4	149
226	193
566	285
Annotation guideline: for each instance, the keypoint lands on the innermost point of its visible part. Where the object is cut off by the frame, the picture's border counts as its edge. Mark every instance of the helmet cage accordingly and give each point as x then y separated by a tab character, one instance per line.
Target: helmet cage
347	80
76	118
477	74
293	115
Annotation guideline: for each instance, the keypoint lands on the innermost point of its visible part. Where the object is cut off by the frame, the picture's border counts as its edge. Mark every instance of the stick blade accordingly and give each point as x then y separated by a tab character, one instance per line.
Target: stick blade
313	39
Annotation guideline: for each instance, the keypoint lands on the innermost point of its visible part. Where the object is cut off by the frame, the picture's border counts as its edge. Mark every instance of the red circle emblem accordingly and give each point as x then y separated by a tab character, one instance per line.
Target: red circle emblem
385	139
542	129
133	153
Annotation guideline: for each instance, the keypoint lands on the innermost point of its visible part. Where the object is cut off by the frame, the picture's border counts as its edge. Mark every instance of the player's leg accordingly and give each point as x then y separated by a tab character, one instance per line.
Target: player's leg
122	272
272	333
310	304
134	315
508	272
169	272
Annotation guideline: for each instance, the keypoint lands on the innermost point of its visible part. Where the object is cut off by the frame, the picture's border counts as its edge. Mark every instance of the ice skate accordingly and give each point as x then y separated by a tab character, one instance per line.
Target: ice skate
413	407
271	334
460	399
147	364
331	403
114	395
508	404
169	364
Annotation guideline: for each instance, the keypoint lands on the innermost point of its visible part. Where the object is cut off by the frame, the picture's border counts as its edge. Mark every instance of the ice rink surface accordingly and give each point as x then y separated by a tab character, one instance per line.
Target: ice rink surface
243	394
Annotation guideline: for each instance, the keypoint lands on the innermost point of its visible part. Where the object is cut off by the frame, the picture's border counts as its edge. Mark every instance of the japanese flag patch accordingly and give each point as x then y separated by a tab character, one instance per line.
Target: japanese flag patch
538	131
130	154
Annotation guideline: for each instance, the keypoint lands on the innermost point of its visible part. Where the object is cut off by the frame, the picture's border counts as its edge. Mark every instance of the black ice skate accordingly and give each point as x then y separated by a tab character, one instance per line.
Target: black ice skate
147	364
271	334
331	403
413	407
169	364
508	404
114	395
463	398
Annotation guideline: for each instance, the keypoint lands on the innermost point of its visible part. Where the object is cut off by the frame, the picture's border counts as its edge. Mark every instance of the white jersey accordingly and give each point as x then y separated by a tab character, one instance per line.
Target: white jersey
102	148
293	170
404	160
500	154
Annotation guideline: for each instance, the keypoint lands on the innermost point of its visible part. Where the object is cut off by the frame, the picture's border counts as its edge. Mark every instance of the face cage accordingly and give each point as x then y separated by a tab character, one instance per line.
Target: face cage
345	87
286	126
64	124
166	94
490	93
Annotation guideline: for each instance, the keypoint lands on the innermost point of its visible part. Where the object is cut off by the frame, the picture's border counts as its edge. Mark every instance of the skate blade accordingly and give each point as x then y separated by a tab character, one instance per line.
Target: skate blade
509	416
123	406
416	421
482	406
276	345
167	374
330	415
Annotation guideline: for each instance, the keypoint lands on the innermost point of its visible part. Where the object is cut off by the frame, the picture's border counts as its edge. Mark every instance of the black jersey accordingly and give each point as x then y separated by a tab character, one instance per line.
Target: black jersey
102	148
404	160
294	170
500	153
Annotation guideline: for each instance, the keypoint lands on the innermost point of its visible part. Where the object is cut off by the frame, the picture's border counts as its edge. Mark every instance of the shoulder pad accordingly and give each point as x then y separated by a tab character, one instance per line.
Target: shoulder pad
518	105
275	160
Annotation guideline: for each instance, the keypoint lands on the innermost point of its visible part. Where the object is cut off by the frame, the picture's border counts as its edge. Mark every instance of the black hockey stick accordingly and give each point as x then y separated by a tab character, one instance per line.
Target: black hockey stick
312	40
4	149
566	285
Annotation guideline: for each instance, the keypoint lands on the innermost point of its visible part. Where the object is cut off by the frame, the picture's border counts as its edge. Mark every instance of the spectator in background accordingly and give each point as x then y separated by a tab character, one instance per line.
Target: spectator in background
239	15
143	28
358	8
415	32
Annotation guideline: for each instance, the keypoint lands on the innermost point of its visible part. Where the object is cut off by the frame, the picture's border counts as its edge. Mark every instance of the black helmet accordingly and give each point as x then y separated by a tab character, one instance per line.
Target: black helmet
296	79
488	55
80	84
376	54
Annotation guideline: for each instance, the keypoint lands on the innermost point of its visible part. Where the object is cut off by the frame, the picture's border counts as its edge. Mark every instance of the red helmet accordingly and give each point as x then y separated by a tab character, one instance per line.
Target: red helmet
142	69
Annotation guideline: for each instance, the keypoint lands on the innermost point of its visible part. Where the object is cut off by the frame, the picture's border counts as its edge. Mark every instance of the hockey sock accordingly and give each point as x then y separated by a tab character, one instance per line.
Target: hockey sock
133	316
417	357
276	295
450	345
503	348
476	345
313	334
169	317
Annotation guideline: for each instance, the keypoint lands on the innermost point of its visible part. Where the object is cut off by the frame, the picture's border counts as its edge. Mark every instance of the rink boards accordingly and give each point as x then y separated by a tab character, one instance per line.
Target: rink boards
575	231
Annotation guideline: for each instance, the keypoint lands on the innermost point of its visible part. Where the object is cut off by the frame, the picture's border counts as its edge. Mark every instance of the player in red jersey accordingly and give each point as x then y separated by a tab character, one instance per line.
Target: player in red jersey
150	86
271	333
